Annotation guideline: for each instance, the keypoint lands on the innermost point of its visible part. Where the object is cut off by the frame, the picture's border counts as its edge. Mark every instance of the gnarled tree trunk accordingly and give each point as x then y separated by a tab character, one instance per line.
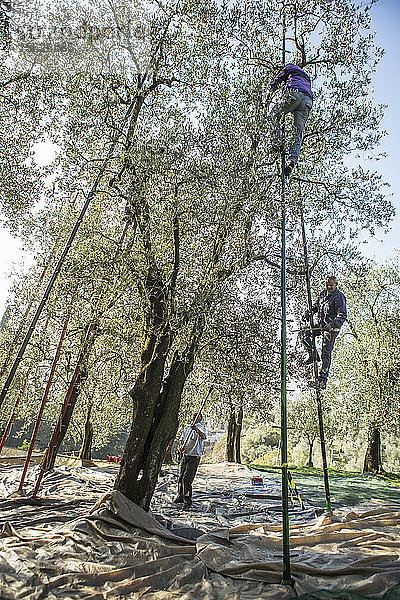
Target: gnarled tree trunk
156	402
230	438
238	433
373	457
232	453
86	450
168	460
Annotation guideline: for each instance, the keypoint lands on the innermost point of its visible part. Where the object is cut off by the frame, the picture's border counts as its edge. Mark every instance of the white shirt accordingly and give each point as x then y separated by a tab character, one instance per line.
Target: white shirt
194	443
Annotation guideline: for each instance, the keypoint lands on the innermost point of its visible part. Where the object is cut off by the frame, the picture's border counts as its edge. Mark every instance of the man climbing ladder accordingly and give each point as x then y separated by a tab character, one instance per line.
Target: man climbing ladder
332	313
298	100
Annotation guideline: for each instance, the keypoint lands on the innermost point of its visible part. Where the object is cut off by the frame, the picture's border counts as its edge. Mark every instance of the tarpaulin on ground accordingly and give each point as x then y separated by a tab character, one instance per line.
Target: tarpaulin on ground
116	550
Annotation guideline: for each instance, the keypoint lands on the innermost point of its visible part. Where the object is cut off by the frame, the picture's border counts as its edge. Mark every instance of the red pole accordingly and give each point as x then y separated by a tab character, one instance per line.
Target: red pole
27	311
44	400
10	420
82	355
63	409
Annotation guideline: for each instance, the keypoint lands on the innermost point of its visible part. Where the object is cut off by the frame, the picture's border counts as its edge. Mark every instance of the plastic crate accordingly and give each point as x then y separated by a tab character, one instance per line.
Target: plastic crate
256	480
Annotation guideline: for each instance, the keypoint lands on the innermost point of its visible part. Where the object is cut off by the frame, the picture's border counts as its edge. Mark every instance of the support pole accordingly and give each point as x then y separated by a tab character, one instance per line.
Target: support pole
286	579
315	364
194	421
286	576
24	319
63	256
93	324
44	400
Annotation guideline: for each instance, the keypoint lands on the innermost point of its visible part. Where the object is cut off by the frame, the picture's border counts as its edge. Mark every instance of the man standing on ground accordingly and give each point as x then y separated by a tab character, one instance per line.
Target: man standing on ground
332	313
191	446
298	100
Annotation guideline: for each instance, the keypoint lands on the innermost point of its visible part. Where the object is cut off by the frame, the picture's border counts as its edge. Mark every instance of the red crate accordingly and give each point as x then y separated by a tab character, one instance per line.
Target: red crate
114	459
256	480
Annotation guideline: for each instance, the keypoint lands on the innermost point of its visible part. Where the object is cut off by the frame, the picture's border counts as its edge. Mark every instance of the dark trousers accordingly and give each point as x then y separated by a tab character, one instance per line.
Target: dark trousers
328	341
187	473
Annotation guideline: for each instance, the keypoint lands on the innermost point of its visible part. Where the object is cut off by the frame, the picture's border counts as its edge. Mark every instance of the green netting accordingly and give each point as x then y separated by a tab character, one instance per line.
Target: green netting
346	490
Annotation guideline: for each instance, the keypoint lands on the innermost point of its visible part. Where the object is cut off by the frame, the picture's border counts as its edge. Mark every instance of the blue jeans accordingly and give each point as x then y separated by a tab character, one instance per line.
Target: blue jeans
299	104
328	341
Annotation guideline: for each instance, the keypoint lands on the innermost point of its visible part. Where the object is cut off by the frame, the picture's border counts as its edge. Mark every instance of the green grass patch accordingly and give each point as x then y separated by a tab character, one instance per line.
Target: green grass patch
347	488
305	470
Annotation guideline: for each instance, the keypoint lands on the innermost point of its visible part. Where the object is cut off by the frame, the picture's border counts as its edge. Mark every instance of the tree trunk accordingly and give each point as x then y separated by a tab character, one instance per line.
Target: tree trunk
230	438
168	454
310	451
86	450
238	433
156	408
373	458
82	376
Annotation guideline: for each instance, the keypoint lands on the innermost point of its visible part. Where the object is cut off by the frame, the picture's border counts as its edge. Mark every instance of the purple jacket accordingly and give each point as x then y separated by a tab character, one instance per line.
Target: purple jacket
295	78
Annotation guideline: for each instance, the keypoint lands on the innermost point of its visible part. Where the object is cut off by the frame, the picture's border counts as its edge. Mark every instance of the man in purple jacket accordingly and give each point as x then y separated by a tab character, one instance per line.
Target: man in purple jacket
298	99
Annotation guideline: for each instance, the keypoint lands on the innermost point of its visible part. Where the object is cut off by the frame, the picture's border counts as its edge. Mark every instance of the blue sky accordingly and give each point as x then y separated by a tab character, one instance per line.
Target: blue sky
386	23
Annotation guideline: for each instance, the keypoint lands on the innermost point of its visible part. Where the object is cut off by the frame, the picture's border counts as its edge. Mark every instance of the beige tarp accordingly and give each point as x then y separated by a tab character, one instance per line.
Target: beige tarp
116	550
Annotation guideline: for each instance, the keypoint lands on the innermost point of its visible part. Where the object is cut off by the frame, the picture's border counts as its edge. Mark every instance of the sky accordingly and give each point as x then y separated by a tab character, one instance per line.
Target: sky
386	90
386	22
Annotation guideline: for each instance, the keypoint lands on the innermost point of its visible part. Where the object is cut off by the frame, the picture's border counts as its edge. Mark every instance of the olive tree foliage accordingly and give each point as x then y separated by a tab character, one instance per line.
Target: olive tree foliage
239	352
193	171
20	115
304	424
67	82
242	334
345	118
344	122
366	375
89	291
235	180
261	444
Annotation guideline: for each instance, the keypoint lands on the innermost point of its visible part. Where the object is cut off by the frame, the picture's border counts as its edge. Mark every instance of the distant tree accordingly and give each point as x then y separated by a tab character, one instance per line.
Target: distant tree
259	441
367	371
303	421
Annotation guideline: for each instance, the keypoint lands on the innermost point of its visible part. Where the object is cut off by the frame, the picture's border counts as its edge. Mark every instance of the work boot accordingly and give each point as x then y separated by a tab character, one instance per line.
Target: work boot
178	500
289	168
319	385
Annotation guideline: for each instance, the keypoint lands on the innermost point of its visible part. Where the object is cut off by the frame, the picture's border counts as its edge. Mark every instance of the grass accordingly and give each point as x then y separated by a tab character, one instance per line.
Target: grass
392	478
302	470
347	488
